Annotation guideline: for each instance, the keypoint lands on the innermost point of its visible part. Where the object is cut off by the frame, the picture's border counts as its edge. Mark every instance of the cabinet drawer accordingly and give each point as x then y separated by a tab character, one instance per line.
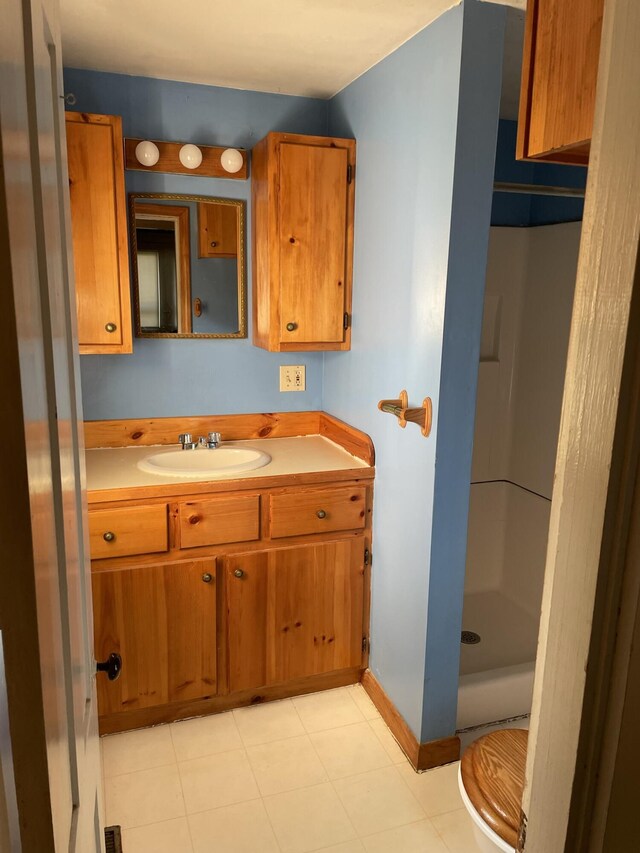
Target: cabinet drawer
128	530
321	511
219	520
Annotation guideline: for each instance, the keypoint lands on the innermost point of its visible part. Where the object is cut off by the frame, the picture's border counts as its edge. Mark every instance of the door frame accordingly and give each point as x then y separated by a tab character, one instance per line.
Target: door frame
585	638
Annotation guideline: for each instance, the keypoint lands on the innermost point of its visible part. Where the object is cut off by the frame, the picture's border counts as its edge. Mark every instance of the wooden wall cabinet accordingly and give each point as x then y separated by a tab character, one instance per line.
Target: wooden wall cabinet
217	231
303	205
559	74
99	232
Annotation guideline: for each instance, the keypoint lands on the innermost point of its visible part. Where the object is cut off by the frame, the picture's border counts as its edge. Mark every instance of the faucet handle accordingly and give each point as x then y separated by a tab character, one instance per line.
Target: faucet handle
185	438
214	436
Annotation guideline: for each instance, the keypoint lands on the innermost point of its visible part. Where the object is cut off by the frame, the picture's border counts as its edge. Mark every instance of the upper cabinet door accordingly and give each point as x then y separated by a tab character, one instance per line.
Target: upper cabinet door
313	220
99	229
559	75
303	201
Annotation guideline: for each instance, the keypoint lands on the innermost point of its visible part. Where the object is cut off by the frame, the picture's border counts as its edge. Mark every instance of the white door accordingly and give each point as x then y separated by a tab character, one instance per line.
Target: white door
44	394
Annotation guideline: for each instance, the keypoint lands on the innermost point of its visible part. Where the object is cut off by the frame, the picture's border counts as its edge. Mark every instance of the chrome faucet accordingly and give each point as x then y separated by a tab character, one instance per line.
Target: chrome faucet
212	440
187	442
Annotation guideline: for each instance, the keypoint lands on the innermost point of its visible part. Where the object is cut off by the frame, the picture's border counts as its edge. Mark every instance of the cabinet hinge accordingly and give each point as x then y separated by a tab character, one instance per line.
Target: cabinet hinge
367	557
365	645
349	173
346	320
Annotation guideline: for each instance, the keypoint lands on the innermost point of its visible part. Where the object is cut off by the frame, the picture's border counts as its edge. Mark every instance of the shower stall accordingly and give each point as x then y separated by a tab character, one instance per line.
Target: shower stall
527	314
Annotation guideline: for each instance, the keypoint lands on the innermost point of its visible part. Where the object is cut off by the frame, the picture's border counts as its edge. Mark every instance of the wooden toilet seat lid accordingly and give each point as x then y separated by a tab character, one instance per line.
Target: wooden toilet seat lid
492	771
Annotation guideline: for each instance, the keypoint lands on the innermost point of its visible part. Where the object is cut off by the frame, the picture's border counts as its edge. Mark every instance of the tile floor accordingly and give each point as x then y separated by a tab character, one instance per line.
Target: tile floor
314	773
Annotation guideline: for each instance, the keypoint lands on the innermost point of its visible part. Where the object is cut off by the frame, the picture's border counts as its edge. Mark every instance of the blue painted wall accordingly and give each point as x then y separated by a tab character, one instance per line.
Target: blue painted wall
169	378
525	210
425	119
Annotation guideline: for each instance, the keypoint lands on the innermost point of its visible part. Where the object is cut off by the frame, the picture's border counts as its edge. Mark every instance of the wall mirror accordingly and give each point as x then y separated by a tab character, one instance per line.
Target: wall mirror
188	264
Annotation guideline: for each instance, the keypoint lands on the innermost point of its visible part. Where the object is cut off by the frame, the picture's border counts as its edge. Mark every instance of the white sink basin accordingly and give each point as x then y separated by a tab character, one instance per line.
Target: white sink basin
204	463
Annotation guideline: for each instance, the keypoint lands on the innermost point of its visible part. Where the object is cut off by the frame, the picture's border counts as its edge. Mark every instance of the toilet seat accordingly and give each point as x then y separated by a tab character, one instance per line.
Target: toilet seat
492	772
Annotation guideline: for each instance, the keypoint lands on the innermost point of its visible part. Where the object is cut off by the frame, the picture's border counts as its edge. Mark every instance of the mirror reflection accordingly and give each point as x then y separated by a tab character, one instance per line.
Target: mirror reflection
188	264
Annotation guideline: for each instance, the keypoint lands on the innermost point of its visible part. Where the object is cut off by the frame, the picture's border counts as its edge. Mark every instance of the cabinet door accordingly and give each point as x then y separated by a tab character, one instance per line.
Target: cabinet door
162	620
294	612
559	74
217	230
313	243
99	232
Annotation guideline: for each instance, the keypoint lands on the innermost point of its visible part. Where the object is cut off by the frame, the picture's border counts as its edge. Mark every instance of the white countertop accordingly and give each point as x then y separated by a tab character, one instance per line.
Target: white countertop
117	467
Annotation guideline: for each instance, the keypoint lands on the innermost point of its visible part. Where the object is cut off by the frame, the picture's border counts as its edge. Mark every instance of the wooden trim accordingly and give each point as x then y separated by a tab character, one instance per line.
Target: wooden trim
423	756
349	438
581	561
180	213
126	720
147	432
169	161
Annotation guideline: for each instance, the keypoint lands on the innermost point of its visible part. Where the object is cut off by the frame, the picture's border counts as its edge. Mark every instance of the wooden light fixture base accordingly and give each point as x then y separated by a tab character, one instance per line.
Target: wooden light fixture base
169	160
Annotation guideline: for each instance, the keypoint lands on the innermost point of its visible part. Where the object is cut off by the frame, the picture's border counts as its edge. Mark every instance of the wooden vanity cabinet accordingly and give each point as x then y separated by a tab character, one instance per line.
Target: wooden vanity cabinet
294	612
99	232
225	598
161	619
559	75
303	205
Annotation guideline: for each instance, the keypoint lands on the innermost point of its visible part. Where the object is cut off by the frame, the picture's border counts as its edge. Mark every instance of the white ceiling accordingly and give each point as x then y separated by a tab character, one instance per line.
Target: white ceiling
297	47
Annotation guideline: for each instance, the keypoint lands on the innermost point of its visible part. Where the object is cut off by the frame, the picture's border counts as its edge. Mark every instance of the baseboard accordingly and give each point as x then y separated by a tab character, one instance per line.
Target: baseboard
423	756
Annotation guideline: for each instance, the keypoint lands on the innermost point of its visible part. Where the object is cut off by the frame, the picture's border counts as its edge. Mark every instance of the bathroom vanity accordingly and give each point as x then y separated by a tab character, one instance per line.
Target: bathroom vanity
234	588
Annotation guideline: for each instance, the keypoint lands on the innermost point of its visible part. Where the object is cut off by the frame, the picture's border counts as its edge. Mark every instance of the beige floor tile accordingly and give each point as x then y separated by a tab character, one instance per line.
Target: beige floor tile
355	846
148	796
349	750
217	780
308	819
286	764
378	800
139	750
361	698
328	709
381	730
456	830
268	722
436	790
205	736
413	838
241	828
170	836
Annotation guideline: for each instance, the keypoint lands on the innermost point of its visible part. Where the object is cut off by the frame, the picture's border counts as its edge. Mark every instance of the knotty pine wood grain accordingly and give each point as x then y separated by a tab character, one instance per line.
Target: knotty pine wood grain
272	217
295	513
136	530
99	232
219	521
162	620
146	432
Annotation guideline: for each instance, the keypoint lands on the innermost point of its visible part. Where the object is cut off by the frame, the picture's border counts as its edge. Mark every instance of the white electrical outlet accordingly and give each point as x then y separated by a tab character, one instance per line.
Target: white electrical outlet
292	377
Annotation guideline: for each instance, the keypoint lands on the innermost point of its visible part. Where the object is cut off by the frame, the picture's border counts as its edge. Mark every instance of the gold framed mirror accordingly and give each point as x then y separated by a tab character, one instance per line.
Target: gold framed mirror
188	263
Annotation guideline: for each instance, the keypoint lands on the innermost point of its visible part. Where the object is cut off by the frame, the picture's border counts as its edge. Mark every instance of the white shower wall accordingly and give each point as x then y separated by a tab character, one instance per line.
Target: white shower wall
527	315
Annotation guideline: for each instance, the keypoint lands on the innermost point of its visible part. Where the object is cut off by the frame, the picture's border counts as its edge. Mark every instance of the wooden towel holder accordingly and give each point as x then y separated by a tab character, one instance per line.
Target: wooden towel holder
400	408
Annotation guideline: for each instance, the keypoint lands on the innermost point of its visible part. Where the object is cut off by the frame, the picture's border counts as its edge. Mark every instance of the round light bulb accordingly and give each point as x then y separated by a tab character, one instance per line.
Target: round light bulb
147	153
231	160
190	156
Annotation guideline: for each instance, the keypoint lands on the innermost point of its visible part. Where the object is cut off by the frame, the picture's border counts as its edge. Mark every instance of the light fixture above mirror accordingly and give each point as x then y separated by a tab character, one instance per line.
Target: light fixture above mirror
209	161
